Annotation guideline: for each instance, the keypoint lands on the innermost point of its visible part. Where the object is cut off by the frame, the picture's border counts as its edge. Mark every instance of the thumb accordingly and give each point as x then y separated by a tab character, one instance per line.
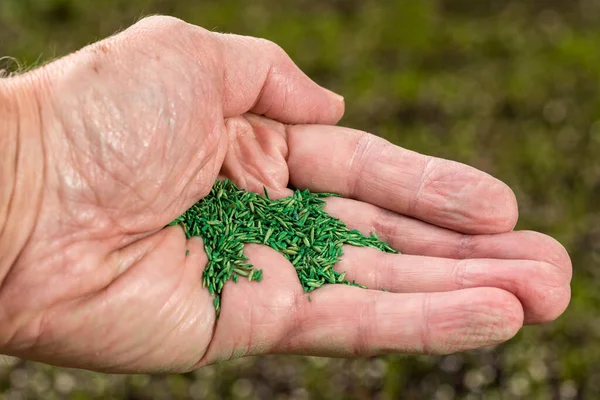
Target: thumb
258	76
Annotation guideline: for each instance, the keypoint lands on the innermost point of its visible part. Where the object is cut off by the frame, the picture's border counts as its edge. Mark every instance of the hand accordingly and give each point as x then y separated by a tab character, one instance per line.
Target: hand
136	128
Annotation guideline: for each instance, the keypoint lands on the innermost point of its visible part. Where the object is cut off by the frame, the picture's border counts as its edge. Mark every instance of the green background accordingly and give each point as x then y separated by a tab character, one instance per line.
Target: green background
510	87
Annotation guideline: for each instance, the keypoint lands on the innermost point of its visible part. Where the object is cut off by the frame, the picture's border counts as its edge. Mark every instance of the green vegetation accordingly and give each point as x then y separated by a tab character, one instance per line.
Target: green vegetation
510	87
296	226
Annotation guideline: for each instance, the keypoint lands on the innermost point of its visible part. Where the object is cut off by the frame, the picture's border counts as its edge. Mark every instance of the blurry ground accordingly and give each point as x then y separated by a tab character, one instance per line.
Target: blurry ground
510	87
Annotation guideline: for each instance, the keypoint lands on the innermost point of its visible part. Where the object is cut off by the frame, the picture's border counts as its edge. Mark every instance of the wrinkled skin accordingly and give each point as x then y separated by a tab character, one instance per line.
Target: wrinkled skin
133	130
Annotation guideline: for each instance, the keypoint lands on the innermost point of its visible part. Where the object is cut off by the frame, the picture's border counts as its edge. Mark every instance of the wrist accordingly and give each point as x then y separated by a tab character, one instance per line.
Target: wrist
21	167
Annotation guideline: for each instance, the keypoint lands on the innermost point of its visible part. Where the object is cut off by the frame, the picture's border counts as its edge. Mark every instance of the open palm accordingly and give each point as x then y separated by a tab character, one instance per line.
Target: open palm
136	130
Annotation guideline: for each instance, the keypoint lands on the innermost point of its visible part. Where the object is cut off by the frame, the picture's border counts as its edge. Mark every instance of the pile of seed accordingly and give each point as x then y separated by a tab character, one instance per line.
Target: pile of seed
296	226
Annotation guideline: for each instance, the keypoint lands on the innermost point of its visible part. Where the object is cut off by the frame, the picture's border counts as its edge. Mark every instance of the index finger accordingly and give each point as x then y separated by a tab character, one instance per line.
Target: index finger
365	167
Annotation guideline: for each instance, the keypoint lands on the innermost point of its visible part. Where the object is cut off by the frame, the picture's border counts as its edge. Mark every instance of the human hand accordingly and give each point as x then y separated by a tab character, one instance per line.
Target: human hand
133	130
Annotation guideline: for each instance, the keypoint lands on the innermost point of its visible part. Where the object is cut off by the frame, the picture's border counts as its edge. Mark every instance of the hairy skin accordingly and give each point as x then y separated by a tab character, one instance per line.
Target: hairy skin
103	148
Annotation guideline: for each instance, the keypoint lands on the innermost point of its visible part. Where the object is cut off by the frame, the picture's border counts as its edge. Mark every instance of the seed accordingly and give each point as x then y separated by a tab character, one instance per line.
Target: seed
240	272
296	226
259	276
269	232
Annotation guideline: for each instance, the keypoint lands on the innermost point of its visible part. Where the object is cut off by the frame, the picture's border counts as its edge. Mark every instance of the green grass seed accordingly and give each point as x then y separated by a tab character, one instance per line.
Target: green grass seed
296	226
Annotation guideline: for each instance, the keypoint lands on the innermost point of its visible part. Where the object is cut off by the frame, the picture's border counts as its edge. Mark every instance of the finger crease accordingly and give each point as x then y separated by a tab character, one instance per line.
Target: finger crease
425	334
358	163
423	180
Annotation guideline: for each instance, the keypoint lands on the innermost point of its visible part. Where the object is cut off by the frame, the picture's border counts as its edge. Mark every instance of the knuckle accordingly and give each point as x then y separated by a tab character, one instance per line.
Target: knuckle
363	151
272	47
163	22
238	126
425	333
367	334
170	28
385	223
459	273
467	246
426	182
386	276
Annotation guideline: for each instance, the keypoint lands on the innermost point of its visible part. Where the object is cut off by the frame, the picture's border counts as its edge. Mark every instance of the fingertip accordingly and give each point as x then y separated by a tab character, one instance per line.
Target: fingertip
489	207
472	318
547	296
506	306
336	109
548	249
505	215
558	302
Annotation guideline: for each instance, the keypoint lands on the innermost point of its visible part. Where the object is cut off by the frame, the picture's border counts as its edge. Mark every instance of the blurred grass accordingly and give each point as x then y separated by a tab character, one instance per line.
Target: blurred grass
510	87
